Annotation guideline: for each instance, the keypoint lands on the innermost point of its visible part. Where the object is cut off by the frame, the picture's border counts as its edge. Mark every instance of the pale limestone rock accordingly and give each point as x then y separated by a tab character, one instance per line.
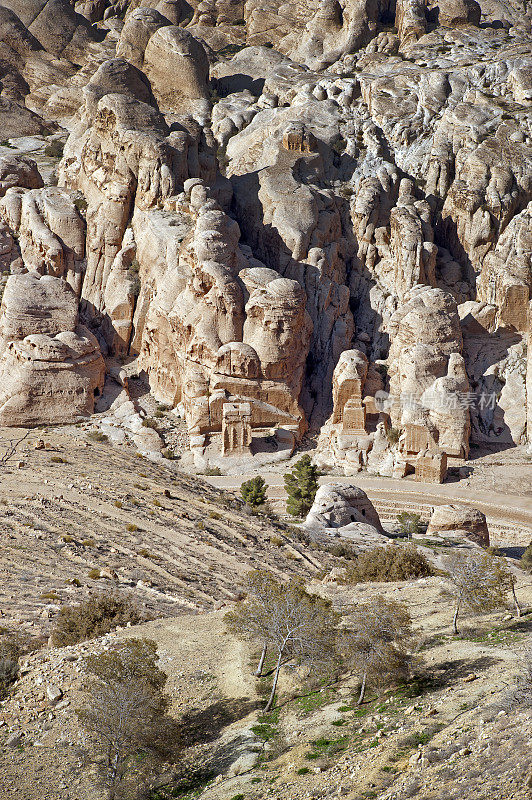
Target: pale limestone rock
18	171
458	12
427	372
203	344
177	67
470	522
51	235
51	368
55	25
345	510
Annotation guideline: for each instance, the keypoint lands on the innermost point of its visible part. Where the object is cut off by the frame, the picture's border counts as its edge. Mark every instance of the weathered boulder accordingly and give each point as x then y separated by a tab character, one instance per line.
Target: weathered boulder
177	67
428	378
459	12
460	519
338	505
51	369
56	26
19	171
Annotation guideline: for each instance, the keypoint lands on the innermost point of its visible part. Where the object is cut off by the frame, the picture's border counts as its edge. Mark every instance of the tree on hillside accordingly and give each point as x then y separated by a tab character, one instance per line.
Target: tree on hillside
299	626
378	642
301	485
253	492
480	583
124	715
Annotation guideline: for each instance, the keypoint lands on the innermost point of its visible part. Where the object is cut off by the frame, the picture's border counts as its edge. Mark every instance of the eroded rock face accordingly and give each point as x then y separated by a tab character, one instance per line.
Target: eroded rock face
219	328
296	207
427	370
51	368
19	171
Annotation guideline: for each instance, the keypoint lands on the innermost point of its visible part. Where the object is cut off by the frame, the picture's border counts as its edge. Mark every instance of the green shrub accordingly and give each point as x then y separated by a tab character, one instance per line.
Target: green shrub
10	651
94	617
213	471
253	492
393	435
392	563
147	422
81	204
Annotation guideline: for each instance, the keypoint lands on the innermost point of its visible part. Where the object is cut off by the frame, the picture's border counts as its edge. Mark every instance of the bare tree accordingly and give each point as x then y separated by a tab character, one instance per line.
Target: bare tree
299	626
378	641
9	447
124	714
480	583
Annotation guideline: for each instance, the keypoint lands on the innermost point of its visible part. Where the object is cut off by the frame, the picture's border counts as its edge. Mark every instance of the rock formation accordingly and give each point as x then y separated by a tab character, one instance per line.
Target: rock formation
320	212
51	368
469	522
346	511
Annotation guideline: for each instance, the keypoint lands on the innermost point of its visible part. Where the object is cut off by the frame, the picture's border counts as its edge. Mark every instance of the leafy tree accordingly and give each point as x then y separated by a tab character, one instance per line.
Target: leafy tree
254	491
299	626
480	583
378	642
409	524
124	714
301	485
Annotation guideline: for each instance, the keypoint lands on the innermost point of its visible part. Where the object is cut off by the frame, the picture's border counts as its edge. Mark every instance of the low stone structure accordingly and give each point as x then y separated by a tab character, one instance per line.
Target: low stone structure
431	467
236	428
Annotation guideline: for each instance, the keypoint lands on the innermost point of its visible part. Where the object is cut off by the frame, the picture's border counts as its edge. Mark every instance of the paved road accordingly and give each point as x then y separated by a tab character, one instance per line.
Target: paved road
506	510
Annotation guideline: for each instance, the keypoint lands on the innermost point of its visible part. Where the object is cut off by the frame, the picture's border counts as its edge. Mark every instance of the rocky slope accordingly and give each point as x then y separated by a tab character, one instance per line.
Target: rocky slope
452	735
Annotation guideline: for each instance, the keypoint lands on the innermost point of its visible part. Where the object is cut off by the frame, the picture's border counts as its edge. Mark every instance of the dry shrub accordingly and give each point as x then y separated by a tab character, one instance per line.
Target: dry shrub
13	646
392	563
98	615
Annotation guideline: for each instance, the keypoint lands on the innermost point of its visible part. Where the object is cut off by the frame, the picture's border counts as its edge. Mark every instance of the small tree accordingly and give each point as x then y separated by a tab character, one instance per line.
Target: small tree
480	583
253	492
301	485
409	524
124	714
299	626
378	642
